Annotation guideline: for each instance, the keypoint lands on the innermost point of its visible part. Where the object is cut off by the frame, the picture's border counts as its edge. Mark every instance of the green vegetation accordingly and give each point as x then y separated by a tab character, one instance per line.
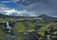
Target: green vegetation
44	28
27	25
2	21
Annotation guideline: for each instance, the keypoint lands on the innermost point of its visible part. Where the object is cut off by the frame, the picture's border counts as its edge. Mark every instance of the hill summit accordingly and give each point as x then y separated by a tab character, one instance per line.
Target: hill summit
46	18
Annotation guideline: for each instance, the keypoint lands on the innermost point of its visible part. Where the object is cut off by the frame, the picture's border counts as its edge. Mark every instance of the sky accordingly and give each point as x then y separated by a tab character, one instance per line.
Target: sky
28	7
10	4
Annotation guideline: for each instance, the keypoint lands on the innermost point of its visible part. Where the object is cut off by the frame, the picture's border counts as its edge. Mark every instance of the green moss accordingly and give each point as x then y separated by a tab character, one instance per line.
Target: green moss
44	28
19	27
26	27
2	34
2	21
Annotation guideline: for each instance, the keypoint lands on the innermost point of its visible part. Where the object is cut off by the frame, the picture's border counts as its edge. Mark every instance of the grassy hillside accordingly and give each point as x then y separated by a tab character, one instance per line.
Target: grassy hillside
28	25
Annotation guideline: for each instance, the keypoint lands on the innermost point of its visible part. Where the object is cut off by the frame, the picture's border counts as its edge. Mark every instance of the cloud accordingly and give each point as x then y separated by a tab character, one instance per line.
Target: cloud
34	7
5	1
25	2
27	13
8	11
48	7
14	12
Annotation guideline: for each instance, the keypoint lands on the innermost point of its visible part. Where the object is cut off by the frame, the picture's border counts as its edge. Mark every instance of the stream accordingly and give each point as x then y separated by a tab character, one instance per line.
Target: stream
9	31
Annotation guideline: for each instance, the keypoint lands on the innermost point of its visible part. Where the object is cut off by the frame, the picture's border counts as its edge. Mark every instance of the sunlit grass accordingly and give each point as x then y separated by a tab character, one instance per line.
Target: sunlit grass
44	28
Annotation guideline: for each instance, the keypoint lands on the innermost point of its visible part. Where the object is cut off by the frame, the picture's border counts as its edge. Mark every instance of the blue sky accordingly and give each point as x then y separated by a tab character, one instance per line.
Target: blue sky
11	8
29	7
11	5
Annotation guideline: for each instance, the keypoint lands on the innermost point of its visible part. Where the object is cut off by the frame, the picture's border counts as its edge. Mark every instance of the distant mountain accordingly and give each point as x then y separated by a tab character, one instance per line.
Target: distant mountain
46	18
2	16
10	16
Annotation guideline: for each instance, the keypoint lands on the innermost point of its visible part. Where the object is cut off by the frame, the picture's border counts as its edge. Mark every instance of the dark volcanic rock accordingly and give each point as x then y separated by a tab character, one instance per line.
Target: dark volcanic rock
31	36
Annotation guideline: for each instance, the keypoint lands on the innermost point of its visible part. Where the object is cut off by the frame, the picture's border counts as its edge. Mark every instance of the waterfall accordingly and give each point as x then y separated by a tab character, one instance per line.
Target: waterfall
9	31
8	26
